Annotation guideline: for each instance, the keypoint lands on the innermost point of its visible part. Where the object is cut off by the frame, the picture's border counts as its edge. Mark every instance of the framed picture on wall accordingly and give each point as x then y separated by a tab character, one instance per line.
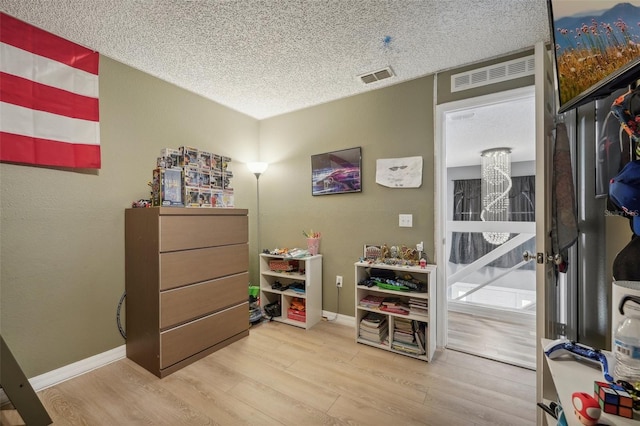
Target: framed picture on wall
336	172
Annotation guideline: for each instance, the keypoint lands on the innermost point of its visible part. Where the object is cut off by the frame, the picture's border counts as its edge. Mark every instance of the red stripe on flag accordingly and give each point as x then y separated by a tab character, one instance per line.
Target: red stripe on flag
29	94
32	39
24	149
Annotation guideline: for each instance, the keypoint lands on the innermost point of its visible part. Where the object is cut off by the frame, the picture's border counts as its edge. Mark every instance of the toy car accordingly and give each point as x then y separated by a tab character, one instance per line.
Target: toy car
346	179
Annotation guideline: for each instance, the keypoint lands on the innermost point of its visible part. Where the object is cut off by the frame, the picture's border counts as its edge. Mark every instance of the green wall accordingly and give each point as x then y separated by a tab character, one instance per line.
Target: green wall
62	231
392	122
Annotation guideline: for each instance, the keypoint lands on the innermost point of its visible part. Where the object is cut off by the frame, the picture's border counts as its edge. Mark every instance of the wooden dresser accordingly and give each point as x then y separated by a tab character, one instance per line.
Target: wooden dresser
187	281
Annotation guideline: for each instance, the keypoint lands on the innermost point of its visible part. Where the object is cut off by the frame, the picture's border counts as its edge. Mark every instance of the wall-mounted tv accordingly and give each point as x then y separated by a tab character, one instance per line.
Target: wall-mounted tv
597	48
336	172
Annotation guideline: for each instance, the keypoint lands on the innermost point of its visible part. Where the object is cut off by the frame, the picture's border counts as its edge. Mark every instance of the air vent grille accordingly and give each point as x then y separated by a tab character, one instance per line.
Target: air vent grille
496	73
374	76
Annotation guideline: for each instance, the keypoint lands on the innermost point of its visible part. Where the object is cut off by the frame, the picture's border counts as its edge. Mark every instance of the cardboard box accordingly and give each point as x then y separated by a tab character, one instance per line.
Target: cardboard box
205	197
227	175
204	160
204	179
191	177
225	162
174	154
228	198
216	179
192	196
216	162
166	188
223	198
189	156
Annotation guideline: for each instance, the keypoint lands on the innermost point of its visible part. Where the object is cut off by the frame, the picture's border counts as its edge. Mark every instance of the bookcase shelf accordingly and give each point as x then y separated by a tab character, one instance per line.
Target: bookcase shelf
308	271
422	325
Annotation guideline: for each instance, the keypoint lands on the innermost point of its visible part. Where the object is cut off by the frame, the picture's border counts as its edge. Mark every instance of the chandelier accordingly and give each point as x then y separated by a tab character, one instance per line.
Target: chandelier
496	184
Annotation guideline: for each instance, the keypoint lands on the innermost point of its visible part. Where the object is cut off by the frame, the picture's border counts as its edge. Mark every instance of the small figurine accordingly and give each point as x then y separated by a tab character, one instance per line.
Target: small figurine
423	263
586	408
141	203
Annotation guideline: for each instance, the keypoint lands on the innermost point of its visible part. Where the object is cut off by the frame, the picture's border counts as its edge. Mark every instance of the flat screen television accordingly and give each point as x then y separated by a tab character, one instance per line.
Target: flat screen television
597	48
336	172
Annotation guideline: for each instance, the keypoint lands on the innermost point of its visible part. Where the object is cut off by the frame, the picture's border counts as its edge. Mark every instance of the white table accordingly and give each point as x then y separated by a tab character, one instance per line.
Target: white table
571	375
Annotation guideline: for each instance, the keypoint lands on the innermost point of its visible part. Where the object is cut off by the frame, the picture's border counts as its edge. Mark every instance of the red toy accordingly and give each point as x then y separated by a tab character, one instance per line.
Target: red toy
586	408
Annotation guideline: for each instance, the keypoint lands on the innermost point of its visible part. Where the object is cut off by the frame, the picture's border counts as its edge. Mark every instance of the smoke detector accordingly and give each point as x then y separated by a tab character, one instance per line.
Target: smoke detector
372	77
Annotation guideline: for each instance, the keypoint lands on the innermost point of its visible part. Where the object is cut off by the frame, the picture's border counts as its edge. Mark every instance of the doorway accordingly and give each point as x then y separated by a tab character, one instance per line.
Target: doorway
487	153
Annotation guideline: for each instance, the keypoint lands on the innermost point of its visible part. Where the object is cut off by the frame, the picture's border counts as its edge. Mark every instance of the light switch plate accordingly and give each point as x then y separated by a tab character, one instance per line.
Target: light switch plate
406	220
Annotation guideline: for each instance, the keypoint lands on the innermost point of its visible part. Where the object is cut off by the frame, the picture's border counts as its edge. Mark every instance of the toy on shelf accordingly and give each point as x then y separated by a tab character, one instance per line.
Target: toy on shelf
190	177
586	408
560	347
395	255
614	399
142	203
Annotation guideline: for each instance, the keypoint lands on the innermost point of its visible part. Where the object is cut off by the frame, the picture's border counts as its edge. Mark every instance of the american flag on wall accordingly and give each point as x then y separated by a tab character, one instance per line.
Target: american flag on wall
49	111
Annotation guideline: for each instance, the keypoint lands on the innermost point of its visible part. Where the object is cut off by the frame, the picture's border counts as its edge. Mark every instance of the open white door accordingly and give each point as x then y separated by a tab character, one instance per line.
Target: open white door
545	273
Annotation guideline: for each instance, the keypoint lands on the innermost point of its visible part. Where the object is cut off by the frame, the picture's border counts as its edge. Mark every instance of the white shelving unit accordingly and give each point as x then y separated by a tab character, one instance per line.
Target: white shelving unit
570	375
426	275
307	272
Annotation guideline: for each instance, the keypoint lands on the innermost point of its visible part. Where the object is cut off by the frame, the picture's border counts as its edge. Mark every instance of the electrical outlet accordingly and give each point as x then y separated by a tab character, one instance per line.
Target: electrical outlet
338	281
420	246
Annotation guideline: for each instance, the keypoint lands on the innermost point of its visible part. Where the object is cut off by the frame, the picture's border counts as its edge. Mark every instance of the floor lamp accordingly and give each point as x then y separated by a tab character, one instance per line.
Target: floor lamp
257	168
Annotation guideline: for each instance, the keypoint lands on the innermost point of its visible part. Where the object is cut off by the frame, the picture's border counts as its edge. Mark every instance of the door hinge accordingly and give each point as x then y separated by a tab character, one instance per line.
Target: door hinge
556	259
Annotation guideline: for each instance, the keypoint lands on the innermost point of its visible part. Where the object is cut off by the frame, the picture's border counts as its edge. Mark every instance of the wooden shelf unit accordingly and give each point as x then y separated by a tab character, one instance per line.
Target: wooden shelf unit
309	272
427	275
186	273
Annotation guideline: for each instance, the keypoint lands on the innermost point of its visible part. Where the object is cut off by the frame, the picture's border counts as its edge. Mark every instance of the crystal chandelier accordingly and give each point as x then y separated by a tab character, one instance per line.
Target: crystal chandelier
496	184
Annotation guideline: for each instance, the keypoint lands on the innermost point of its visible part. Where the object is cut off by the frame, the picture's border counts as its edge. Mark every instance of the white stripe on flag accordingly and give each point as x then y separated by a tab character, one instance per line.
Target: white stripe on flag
46	71
28	122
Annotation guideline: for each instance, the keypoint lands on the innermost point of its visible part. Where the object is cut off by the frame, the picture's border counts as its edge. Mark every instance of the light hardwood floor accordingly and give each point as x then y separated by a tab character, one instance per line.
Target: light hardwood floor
284	375
502	340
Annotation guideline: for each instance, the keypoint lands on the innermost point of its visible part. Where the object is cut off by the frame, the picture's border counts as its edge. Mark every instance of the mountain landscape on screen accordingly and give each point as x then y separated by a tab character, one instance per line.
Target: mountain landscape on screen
596	51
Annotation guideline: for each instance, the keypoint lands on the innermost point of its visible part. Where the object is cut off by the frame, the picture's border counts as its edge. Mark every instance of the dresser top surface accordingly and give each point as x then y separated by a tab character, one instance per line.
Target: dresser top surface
186	211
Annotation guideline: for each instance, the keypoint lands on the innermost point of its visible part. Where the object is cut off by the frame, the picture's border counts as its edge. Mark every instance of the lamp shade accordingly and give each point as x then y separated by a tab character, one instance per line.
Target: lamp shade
257	167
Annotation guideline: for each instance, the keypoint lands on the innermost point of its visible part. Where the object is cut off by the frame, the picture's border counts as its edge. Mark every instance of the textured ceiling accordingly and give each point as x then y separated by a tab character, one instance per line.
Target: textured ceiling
507	122
266	58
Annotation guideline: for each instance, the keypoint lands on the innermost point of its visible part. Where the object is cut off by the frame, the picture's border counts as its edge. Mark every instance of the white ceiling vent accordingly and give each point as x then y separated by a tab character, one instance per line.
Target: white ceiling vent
372	77
496	73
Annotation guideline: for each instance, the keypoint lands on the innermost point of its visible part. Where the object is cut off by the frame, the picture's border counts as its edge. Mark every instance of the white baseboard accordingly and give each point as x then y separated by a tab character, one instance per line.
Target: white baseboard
70	371
339	318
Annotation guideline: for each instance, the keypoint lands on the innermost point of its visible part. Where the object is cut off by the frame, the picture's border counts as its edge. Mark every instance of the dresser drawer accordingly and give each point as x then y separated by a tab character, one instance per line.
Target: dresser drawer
186	303
188	339
188	232
193	266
